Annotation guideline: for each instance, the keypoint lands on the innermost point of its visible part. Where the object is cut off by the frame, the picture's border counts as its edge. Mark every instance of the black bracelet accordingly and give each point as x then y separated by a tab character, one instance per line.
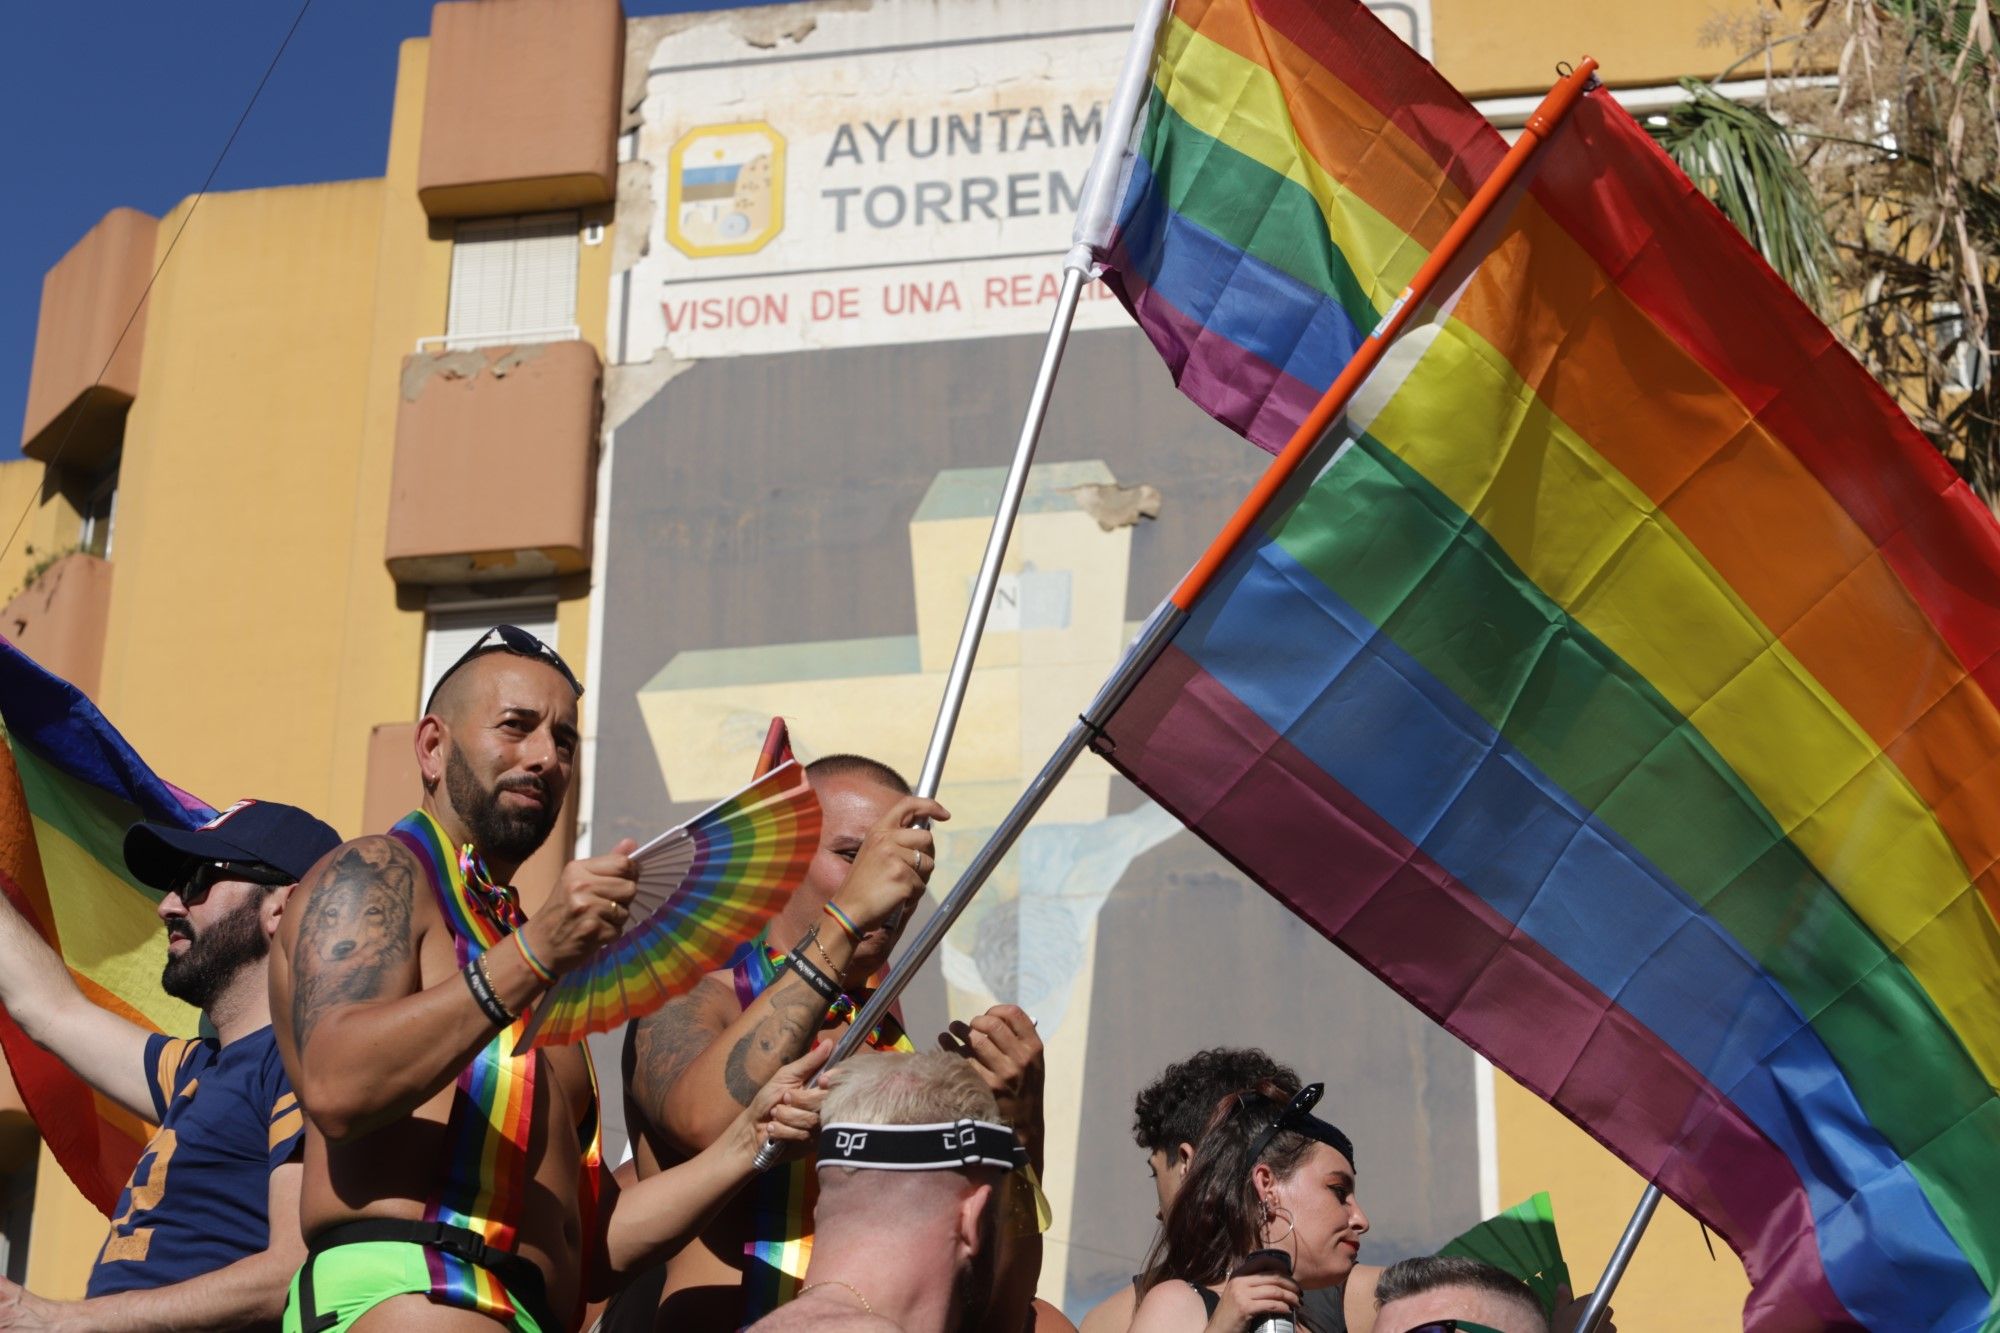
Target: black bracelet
813	977
483	993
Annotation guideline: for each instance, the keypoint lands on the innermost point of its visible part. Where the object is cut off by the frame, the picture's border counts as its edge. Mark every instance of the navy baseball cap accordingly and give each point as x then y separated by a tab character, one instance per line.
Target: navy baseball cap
258	833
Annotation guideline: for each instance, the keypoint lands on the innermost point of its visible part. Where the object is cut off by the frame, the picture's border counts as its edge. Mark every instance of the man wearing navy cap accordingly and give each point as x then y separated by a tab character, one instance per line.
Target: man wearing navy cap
206	1234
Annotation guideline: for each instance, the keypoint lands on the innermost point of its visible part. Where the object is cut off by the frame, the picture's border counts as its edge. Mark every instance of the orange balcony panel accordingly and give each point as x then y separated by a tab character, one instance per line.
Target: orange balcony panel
496	454
521	106
59	619
395	788
86	299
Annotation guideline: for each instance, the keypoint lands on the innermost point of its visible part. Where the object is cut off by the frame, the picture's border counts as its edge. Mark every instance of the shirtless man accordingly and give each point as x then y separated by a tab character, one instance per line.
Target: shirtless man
692	1066
450	1184
908	1230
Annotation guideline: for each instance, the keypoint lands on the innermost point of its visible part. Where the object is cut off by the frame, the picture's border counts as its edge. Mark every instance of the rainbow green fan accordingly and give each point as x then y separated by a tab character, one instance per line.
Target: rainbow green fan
1521	1241
705	889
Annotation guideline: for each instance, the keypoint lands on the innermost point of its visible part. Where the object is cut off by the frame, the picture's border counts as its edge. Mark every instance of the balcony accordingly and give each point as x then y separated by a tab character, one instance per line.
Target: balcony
394	789
496	454
86	300
59	618
521	106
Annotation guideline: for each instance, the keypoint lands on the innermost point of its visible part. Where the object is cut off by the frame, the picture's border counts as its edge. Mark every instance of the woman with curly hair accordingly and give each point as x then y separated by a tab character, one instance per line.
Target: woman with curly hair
1267	1175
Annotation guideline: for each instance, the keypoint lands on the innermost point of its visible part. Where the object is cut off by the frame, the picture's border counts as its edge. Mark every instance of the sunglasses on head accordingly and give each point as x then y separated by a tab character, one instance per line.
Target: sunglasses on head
1297	1118
1453	1326
198	879
511	639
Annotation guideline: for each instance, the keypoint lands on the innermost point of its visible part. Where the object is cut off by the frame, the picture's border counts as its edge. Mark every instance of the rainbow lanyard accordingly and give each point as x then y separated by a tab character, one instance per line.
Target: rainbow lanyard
485	1178
781	1200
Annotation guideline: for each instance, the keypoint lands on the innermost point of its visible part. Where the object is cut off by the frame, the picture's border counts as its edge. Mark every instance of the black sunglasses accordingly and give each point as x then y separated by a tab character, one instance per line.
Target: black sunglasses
512	639
1453	1326
195	882
1299	1119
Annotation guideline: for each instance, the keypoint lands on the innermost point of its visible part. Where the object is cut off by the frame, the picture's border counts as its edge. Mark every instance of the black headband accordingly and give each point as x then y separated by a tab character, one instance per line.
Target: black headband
947	1146
1297	1118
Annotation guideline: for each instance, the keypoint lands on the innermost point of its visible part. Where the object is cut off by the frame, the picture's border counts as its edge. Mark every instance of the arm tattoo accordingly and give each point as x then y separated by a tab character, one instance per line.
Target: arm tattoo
796	1013
664	1043
355	929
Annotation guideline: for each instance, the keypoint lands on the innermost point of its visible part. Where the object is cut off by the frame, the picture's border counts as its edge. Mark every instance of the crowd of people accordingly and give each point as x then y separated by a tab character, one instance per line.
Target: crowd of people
354	1141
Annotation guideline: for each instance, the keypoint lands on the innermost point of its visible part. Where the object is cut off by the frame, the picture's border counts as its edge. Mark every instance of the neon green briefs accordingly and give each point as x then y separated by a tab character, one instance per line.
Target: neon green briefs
350	1280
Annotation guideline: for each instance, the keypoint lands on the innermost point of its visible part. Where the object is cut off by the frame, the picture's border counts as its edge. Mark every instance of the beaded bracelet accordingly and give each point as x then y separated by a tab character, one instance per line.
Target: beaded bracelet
535	965
483	993
842	920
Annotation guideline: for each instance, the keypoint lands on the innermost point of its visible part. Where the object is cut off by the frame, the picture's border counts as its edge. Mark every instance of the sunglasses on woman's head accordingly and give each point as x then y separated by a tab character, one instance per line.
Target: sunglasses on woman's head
1297	1118
198	879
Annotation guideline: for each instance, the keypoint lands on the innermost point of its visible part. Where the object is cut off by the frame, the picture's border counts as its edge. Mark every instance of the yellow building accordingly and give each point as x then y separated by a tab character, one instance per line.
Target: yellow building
357	422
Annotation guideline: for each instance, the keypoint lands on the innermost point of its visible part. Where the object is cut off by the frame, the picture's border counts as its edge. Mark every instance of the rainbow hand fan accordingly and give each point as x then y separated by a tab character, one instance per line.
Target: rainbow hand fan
705	889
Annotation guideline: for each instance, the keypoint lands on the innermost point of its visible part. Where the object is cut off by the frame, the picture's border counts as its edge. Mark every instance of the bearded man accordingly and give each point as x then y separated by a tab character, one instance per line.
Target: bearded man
452	1181
206	1234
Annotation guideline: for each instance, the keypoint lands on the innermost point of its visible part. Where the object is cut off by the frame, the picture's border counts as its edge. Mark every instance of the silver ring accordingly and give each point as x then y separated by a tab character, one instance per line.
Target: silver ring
920	863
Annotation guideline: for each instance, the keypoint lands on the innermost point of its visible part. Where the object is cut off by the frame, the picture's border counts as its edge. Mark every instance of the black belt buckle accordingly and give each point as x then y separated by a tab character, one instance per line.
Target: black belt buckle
461	1243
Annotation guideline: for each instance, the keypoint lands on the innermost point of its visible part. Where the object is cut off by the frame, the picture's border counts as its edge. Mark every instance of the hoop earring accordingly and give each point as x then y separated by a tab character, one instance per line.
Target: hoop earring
1272	1213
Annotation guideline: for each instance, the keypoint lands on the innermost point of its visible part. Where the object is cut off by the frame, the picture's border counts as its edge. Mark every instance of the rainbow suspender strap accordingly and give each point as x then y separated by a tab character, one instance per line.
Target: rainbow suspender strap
781	1200
486	1163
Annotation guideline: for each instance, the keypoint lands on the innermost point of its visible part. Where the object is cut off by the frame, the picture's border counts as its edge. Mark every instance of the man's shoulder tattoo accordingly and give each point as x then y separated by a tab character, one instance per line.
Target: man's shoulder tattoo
354	929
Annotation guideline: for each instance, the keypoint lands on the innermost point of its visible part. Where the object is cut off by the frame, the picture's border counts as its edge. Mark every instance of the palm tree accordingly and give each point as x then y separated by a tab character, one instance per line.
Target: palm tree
1868	179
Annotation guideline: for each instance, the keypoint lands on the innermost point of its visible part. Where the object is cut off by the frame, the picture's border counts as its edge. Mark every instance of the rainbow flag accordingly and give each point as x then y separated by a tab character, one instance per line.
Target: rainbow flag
1618	682
69	788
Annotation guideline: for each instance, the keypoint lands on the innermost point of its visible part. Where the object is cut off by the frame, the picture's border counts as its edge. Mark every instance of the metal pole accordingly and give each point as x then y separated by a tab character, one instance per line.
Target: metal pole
1093	230
1600	1300
996	539
1152	638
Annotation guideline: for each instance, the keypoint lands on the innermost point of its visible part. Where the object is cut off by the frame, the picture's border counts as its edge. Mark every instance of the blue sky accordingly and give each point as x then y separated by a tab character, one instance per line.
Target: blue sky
128	103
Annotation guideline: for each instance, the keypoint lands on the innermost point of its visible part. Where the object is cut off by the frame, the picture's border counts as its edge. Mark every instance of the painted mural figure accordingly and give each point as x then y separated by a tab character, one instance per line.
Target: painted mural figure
443	1172
692	1066
206	1232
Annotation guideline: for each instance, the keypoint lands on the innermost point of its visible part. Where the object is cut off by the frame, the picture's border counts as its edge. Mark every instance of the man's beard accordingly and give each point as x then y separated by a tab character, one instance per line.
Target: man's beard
214	956
500	834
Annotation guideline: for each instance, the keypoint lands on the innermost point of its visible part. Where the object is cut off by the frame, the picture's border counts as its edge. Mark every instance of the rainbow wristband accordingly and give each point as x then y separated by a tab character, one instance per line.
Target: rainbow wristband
542	974
842	920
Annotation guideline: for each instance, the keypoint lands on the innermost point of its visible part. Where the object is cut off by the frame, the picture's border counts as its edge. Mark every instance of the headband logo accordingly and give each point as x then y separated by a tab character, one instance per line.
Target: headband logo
847	1142
962	1135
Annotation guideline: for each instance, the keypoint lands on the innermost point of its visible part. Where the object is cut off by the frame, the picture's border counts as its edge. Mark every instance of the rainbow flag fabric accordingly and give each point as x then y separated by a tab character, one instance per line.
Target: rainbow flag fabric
1620	681
69	788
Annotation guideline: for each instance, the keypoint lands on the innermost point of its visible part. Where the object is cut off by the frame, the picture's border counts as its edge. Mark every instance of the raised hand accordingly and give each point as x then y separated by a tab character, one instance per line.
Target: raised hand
1006	1050
893	865
587	910
785	1111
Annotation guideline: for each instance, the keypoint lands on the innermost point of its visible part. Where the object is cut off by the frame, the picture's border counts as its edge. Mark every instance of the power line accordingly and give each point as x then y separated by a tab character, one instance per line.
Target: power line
83	403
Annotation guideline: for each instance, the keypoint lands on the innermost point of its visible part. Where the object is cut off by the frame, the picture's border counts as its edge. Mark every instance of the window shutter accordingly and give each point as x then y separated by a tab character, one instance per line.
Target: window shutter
512	276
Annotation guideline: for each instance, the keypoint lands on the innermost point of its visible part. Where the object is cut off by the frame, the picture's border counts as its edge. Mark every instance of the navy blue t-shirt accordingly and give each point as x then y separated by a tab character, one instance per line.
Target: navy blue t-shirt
197	1200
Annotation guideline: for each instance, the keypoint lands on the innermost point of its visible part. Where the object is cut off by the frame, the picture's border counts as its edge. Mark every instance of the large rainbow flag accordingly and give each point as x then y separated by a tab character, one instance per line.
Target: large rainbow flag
69	788
1619	680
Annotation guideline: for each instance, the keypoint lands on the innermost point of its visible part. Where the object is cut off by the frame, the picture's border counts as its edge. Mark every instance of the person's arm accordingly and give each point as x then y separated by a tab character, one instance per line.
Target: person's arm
104	1050
1006	1051
696	1072
249	1293
652	1220
371	1044
1357	1298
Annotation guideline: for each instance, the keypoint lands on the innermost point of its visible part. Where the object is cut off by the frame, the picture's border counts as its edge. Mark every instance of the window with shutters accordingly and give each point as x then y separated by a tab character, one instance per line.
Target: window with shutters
452	627
513	280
